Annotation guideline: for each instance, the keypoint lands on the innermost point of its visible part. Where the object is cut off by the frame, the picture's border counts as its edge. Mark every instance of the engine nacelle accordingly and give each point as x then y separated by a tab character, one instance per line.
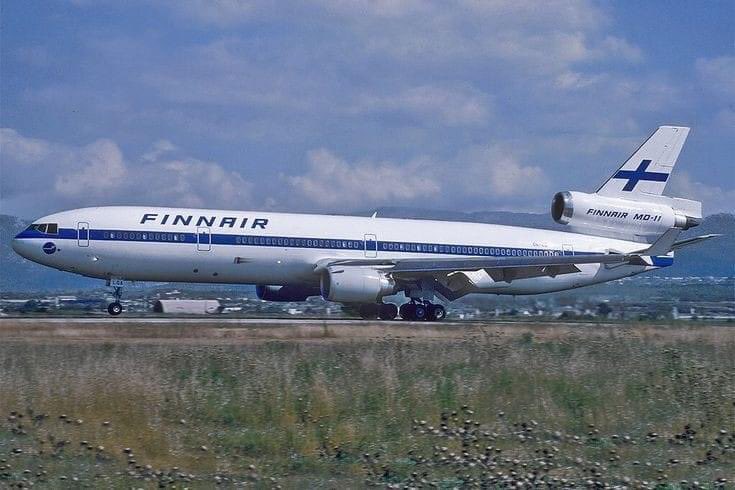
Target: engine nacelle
355	285
616	215
284	293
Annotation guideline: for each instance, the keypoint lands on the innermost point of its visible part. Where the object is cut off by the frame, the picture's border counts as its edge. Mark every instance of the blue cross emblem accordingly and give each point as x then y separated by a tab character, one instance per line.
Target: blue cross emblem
635	176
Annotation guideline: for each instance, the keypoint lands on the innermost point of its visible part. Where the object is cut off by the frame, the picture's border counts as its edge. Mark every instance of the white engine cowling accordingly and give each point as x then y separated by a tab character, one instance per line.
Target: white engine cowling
355	285
611	214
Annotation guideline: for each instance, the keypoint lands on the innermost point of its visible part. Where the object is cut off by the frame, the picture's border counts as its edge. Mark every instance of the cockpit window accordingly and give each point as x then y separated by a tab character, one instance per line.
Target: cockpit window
49	228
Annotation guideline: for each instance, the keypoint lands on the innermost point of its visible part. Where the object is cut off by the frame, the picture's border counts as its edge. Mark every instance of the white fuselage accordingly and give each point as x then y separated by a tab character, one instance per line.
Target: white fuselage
243	247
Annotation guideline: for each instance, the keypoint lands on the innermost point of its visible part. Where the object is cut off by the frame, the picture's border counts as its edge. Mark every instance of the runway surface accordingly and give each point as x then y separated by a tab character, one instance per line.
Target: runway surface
216	330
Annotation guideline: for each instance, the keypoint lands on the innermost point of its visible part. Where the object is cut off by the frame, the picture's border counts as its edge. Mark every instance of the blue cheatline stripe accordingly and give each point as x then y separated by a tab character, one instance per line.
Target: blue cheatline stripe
662	261
300	242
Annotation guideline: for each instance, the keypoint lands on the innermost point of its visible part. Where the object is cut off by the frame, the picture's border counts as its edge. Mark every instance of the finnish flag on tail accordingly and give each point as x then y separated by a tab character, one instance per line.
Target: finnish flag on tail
647	171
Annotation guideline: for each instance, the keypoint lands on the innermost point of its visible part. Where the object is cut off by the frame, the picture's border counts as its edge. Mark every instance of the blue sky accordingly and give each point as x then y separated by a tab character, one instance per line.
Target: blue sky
342	106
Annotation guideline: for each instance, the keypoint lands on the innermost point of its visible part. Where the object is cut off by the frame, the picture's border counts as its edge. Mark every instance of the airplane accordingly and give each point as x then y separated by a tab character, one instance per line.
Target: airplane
625	228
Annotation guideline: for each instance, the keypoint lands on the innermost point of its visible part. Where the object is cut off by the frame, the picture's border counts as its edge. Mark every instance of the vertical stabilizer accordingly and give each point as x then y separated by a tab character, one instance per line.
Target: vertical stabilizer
647	171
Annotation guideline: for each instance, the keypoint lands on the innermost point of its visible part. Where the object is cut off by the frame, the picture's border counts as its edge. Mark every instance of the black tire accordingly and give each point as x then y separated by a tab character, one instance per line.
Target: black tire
438	313
388	311
369	312
420	312
407	311
114	309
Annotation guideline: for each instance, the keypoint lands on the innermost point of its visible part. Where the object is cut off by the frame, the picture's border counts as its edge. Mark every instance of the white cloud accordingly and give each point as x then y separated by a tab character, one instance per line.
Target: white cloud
572	80
49	176
616	47
94	170
477	176
331	182
452	106
160	147
715	199
492	172
718	75
222	13
23	150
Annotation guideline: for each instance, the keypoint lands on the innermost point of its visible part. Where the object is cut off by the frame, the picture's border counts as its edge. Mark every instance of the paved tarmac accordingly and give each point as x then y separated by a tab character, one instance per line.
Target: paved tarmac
224	330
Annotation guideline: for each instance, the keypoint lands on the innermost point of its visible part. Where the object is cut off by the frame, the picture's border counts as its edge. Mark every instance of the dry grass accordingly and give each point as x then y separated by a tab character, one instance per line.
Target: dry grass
339	405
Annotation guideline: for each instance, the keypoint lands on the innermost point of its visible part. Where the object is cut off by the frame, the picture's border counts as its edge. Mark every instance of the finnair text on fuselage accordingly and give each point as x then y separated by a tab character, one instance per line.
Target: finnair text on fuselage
205	220
605	213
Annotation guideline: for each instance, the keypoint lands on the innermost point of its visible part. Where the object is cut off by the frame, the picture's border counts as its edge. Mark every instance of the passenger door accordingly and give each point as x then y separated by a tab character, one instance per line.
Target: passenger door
204	239
371	246
567	249
83	234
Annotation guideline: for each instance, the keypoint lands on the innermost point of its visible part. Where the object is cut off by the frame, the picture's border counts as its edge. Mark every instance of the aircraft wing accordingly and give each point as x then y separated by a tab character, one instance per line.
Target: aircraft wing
452	277
422	265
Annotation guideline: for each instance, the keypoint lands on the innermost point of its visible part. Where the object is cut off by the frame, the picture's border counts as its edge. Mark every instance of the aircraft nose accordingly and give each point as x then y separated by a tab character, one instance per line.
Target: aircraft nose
18	246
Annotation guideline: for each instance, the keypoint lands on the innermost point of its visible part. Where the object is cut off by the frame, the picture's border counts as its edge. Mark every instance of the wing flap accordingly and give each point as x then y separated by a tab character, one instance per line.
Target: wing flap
488	263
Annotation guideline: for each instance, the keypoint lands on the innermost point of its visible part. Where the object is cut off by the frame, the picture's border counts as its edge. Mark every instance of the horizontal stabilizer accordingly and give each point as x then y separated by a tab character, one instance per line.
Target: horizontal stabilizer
693	241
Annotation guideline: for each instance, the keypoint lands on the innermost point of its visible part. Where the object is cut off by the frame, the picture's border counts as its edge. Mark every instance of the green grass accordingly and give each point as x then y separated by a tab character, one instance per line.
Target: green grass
307	412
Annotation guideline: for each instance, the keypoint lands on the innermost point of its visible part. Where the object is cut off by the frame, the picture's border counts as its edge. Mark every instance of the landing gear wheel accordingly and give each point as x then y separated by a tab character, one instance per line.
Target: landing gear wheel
369	312
420	312
114	309
437	312
407	311
387	311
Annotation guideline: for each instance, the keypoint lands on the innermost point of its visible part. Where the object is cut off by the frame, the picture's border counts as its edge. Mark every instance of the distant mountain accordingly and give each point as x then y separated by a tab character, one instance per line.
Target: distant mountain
713	258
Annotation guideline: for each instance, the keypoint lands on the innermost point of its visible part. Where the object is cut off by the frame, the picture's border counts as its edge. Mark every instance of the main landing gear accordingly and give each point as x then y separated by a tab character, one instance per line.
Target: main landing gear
414	310
382	311
115	308
418	311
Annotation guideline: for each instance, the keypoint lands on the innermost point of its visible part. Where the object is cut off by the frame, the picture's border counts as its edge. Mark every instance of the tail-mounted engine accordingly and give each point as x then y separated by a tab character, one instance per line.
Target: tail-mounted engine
621	216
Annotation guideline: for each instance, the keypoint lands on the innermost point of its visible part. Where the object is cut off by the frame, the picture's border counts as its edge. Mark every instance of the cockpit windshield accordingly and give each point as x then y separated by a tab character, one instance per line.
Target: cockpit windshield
48	228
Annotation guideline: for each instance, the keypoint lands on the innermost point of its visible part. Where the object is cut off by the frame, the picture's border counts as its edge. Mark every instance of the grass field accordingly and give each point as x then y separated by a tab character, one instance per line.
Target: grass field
345	406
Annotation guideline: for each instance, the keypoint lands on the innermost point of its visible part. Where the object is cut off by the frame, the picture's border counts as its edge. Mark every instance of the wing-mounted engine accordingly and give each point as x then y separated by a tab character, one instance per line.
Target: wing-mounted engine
284	293
617	217
355	284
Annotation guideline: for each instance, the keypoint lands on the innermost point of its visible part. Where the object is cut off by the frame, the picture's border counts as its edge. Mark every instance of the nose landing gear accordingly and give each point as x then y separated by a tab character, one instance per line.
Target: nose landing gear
115	308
